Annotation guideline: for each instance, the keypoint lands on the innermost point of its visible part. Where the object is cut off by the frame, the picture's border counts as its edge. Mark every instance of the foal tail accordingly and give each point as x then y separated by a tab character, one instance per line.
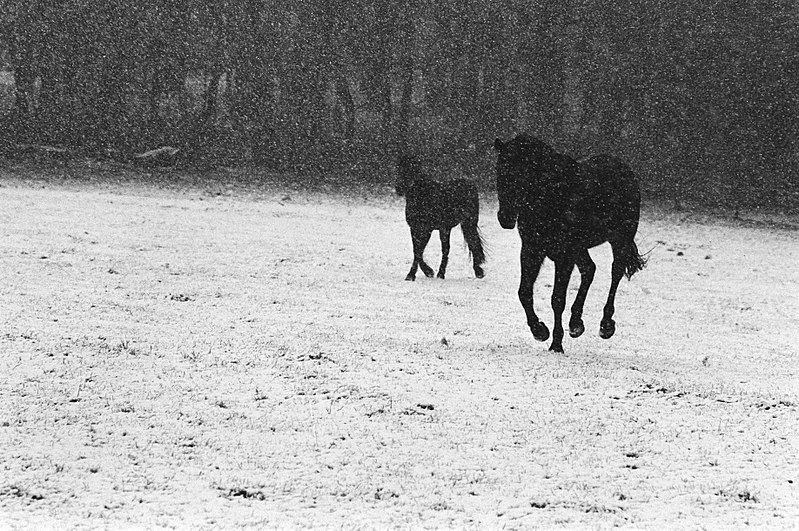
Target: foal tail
633	261
475	241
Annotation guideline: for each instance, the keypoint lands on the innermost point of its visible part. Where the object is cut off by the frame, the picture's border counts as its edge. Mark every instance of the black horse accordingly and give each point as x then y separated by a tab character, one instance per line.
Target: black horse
563	208
430	206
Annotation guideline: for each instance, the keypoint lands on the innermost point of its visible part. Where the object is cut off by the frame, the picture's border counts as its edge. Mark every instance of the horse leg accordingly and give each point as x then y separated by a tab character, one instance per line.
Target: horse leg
471	233
587	269
419	236
423	238
443	234
608	326
563	271
414	266
426	269
531	263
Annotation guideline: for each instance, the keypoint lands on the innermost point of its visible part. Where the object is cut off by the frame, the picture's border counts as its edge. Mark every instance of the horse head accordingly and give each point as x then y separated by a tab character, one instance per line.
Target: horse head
409	169
517	160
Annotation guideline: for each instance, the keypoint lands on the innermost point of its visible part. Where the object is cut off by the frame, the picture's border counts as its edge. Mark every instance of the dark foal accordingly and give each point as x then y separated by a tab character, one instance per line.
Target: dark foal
430	206
563	208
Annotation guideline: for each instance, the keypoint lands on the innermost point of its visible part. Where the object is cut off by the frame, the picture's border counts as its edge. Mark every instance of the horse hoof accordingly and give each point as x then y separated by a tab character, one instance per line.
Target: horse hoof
540	331
410	278
428	273
576	328
478	272
607	329
440	275
556	348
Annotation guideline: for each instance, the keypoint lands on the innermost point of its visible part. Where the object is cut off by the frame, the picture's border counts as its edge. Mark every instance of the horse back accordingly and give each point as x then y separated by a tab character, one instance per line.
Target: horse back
612	183
605	195
589	202
437	204
609	172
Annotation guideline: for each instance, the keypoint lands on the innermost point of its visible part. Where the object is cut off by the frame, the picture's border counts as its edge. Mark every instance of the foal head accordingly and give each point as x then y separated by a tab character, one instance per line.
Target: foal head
518	161
409	170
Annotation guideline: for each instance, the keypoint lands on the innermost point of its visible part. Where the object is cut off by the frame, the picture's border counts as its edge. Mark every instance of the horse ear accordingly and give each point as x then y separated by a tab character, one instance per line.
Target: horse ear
498	145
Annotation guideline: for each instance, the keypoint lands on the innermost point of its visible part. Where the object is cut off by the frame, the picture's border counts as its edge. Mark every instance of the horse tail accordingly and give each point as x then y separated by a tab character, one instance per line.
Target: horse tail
474	241
633	260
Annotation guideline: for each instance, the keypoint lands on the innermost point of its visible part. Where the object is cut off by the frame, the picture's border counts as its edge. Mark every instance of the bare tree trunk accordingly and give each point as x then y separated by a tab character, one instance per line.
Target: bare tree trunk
212	95
387	108
199	132
497	99
344	97
405	107
24	86
548	85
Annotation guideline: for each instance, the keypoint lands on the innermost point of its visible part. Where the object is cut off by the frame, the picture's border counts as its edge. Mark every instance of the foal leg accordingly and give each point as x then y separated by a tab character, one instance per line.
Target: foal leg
471	233
587	269
426	269
531	263
419	237
563	271
443	233
608	326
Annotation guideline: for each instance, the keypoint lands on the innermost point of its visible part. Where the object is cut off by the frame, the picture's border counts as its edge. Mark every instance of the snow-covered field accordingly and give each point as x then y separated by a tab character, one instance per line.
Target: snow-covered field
193	360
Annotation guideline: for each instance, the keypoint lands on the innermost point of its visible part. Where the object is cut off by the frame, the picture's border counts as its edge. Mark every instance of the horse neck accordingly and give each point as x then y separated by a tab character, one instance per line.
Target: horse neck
542	191
418	185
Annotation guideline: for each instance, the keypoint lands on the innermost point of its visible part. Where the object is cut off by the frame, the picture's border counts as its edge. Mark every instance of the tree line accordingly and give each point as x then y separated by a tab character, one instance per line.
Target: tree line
700	97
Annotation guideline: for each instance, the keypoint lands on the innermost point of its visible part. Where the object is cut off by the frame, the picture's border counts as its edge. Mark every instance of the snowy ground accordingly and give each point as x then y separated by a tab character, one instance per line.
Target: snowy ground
194	360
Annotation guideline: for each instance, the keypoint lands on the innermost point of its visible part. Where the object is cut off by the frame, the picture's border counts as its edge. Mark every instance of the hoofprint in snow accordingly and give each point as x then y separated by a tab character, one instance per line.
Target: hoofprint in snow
185	359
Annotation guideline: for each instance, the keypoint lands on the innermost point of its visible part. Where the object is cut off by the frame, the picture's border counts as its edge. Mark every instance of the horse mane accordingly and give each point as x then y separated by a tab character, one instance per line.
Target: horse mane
529	148
551	175
410	167
409	172
525	143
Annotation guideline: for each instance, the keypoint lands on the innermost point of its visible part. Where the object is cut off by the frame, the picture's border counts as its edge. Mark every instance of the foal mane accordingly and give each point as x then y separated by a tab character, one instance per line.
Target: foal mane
409	172
409	163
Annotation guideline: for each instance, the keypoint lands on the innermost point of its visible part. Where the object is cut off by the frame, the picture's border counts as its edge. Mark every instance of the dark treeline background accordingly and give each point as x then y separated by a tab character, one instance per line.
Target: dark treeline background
699	97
